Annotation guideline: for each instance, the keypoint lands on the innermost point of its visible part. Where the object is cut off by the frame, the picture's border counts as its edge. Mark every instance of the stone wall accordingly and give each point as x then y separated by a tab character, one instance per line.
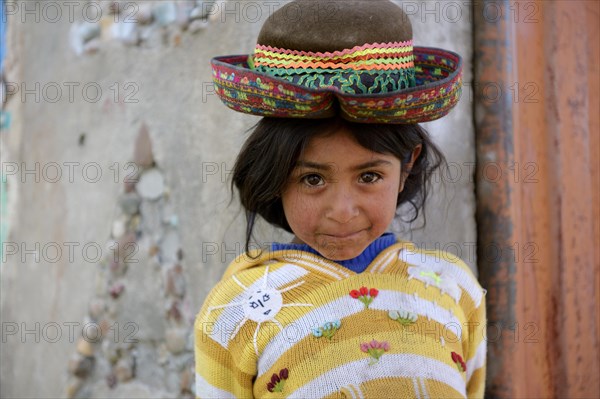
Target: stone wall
117	157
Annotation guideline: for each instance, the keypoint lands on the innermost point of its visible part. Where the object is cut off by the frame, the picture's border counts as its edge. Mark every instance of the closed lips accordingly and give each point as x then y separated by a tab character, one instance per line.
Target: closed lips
343	235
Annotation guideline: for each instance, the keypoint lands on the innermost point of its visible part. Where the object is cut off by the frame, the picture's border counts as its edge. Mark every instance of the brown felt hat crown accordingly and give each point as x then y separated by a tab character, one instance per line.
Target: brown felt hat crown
334	25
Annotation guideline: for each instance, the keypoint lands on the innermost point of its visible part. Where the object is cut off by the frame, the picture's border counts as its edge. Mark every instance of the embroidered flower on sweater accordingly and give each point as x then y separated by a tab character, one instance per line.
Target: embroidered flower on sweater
375	349
403	317
327	330
458	360
278	381
433	274
364	295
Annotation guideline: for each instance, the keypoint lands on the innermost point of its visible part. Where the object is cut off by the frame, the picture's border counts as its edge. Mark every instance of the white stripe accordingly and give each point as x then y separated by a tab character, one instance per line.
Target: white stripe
416	388
336	274
232	316
350	391
392	300
383	263
347	306
379	263
325	270
289	337
397	365
358	392
463	278
425	393
205	390
238	282
477	361
447	284
388	262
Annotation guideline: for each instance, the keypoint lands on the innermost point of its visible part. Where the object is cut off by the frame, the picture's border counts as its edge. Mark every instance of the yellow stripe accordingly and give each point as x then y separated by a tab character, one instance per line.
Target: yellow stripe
364	327
371	61
314	292
339	395
478	332
331	353
397	63
403	388
218	367
345	56
476	384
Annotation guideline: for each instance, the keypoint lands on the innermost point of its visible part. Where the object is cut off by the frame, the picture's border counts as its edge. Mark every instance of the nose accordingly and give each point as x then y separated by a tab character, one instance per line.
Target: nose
343	205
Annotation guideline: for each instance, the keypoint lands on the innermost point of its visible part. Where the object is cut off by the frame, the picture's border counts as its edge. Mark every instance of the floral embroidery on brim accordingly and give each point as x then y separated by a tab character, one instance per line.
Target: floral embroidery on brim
458	360
278	381
375	349
327	330
365	295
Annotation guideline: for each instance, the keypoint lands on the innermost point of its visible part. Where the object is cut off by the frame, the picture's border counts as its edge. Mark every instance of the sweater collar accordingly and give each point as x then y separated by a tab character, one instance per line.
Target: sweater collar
358	264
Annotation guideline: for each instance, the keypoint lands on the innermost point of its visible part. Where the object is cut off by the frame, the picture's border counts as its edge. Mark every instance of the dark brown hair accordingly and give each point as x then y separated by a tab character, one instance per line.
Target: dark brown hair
269	155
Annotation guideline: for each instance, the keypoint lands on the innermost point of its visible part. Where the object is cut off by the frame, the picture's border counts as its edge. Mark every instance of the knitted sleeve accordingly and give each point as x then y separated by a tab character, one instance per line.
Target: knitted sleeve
448	273
476	356
220	373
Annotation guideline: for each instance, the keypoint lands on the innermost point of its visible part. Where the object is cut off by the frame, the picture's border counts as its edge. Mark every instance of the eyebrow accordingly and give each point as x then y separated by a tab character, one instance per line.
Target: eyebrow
329	166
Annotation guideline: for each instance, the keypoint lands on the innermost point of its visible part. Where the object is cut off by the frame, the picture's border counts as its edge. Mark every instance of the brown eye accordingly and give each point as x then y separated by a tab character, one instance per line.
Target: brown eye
369	177
313	180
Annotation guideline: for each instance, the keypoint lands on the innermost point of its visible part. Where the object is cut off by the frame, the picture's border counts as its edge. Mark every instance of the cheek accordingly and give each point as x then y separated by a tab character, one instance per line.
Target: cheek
384	205
299	210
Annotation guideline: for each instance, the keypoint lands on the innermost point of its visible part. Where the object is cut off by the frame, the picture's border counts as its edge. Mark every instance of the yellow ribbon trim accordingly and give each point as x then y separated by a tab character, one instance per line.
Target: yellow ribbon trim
305	58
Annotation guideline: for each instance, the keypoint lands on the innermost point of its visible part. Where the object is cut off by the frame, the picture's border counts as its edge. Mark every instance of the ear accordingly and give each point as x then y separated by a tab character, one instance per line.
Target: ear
407	167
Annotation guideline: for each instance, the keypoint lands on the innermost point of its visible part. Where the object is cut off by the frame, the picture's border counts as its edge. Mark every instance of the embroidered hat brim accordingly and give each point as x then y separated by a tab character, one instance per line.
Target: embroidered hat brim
438	75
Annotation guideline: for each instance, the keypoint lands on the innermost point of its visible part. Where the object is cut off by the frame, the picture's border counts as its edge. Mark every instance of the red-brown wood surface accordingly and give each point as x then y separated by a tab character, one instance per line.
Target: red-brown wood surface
538	224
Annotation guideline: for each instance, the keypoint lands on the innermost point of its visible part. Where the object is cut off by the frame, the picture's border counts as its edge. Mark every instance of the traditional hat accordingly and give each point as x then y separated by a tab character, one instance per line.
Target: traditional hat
355	58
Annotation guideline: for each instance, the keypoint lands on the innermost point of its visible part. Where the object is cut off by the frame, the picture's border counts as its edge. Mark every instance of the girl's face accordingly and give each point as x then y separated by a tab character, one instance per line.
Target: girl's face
340	196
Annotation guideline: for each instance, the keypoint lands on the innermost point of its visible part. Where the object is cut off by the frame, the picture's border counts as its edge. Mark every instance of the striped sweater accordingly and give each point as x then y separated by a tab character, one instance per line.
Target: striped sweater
293	324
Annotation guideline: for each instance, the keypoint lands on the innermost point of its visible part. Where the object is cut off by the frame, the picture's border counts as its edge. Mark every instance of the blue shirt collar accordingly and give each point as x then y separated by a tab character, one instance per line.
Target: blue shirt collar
358	264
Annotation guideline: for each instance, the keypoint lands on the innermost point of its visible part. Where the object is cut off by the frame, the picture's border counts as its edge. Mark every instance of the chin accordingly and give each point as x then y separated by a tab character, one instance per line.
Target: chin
338	248
344	253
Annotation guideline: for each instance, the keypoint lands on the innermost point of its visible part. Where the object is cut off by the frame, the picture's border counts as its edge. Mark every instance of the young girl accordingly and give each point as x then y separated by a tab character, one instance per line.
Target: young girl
345	310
